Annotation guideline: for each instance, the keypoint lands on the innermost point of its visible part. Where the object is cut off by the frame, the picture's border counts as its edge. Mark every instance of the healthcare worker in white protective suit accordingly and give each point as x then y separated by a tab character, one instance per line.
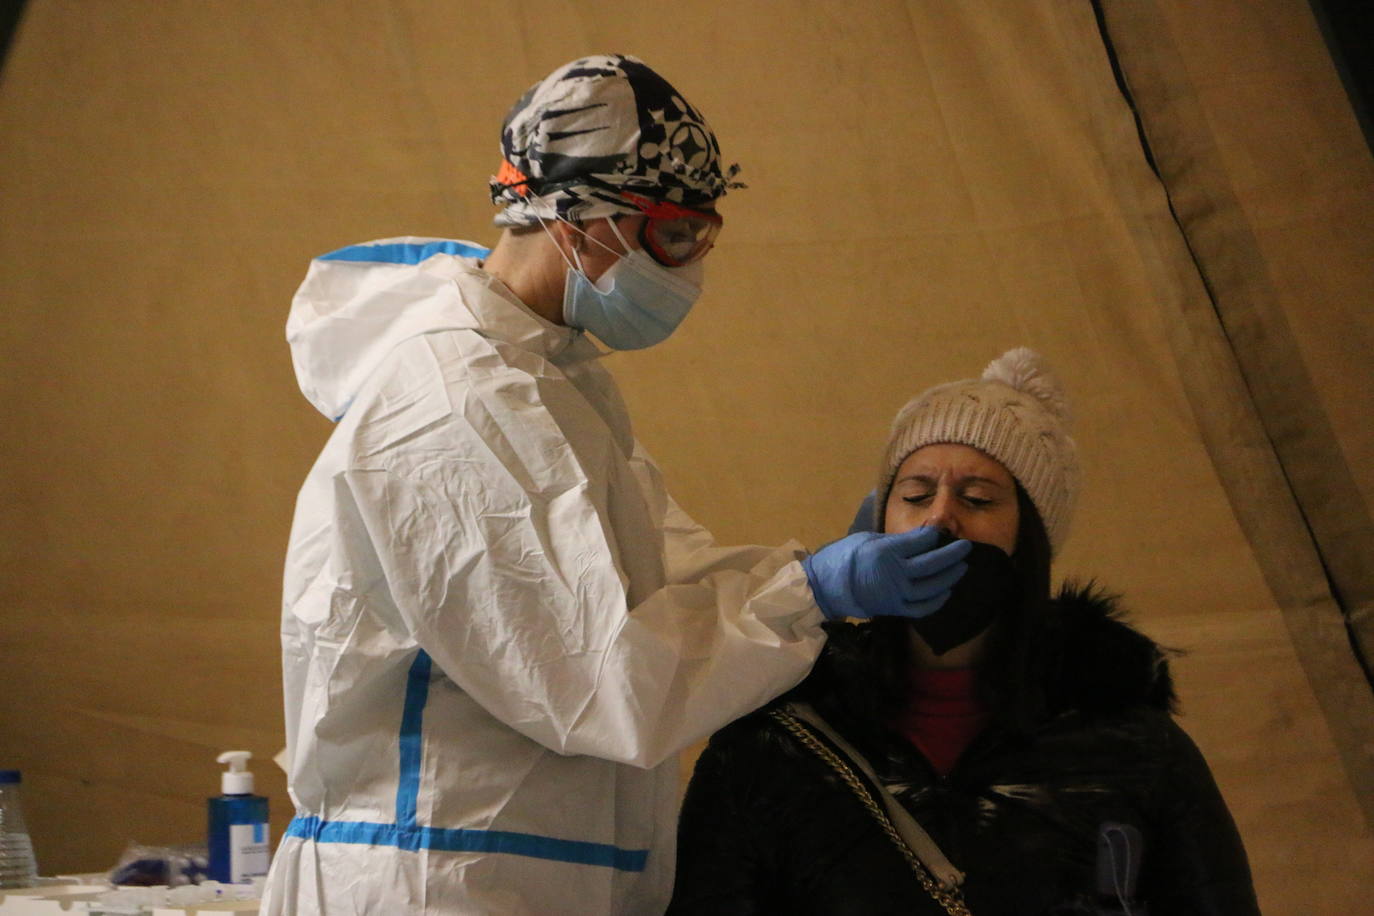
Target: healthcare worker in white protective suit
498	630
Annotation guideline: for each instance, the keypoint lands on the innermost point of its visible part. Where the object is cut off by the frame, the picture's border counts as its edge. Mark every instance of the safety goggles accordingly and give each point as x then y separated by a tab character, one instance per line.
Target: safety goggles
675	235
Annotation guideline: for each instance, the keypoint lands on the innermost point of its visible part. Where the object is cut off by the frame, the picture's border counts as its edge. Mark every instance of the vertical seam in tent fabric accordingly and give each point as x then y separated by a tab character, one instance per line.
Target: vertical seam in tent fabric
1361	659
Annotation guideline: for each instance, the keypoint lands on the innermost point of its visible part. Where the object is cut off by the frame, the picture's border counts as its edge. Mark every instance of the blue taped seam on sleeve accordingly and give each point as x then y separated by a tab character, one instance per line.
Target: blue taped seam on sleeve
404	252
575	852
412	738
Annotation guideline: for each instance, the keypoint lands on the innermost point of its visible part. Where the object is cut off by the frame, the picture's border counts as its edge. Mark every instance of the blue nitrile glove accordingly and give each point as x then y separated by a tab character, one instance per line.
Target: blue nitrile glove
885	575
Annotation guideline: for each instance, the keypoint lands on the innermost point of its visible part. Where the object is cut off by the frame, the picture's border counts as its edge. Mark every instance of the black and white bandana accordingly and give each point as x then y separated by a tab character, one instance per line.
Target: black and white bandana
595	128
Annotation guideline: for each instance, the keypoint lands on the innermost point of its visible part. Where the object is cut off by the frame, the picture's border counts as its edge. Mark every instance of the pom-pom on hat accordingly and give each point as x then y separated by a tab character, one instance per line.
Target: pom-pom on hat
1015	413
595	128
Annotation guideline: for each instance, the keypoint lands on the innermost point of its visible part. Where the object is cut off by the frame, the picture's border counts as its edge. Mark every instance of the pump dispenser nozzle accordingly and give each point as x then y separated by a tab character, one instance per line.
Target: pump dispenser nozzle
236	780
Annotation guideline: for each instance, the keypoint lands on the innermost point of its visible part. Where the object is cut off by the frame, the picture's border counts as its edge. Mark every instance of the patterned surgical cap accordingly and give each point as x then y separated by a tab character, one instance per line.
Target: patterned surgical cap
594	128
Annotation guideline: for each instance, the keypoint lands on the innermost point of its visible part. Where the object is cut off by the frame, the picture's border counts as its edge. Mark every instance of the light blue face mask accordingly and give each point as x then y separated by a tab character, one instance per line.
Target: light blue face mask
636	303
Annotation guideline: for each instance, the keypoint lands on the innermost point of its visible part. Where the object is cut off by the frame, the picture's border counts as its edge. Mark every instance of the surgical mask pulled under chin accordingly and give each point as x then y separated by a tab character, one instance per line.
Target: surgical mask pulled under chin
636	303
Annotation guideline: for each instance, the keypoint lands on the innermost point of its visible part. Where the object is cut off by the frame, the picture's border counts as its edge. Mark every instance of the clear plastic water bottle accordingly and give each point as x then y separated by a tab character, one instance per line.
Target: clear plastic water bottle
17	866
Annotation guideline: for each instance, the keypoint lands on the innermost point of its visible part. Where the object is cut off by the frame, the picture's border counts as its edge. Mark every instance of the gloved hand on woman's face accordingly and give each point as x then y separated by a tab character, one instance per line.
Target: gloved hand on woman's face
869	575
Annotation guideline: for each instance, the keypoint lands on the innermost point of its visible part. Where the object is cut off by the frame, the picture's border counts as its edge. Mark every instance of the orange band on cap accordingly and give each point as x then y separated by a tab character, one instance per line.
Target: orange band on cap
511	177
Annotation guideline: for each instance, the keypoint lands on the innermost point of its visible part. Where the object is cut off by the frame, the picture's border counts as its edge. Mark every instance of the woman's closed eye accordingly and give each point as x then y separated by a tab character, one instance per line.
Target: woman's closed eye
977	502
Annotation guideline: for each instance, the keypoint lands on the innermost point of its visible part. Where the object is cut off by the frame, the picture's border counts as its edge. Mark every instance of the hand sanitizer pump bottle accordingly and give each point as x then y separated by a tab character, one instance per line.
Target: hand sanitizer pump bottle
240	849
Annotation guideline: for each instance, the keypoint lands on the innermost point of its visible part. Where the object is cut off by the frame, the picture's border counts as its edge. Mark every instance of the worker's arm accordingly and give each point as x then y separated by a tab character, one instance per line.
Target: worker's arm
493	536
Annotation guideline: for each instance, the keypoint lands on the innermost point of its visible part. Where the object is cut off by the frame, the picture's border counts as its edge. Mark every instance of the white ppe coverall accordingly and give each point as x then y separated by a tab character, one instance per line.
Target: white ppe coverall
498	630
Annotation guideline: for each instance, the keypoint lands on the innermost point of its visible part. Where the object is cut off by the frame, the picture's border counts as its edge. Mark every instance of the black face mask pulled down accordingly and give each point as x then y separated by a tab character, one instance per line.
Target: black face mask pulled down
989	587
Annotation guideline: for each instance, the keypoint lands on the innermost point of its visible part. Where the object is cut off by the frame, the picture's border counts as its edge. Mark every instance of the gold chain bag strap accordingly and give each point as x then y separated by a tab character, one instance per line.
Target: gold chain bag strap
937	876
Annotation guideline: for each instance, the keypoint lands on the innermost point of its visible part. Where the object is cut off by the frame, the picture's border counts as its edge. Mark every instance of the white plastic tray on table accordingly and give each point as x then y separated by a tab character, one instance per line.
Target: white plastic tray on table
77	895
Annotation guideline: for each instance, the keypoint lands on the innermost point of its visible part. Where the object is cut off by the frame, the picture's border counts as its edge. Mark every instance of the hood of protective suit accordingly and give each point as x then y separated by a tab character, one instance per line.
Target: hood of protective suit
358	303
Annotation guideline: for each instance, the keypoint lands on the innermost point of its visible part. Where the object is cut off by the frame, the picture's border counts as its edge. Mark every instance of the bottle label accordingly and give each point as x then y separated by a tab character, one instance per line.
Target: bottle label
250	852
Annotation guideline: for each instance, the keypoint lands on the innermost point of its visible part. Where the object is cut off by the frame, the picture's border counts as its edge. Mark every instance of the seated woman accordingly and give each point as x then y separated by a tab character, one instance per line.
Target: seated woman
1030	736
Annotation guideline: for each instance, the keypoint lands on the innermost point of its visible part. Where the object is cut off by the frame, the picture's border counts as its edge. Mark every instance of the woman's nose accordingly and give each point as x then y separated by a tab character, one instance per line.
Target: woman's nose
943	515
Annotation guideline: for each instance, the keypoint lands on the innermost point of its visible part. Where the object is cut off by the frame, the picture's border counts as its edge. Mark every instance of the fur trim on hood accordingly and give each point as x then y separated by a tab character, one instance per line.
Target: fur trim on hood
1105	665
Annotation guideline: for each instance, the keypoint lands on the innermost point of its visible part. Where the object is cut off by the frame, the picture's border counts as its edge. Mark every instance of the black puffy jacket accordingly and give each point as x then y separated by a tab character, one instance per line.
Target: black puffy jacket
768	828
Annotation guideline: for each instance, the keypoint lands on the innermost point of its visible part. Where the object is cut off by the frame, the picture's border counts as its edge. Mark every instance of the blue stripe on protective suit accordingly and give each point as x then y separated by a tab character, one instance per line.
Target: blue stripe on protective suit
576	852
412	720
403	252
407	834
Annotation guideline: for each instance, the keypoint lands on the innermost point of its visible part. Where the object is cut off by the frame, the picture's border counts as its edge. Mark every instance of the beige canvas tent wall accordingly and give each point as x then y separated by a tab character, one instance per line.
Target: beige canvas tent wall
930	183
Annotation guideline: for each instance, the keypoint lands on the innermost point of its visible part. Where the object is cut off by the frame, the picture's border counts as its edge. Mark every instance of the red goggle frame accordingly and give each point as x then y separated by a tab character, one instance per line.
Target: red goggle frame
675	235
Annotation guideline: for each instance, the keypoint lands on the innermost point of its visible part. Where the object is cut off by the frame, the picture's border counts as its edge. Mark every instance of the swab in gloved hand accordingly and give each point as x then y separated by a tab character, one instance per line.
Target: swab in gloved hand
869	575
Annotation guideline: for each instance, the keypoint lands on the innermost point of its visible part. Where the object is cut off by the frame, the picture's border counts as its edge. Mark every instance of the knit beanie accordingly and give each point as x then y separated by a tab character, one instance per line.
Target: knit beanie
1015	413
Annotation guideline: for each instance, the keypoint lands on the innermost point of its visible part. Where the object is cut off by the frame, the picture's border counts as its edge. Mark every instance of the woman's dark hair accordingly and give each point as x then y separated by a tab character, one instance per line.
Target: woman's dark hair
1012	672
